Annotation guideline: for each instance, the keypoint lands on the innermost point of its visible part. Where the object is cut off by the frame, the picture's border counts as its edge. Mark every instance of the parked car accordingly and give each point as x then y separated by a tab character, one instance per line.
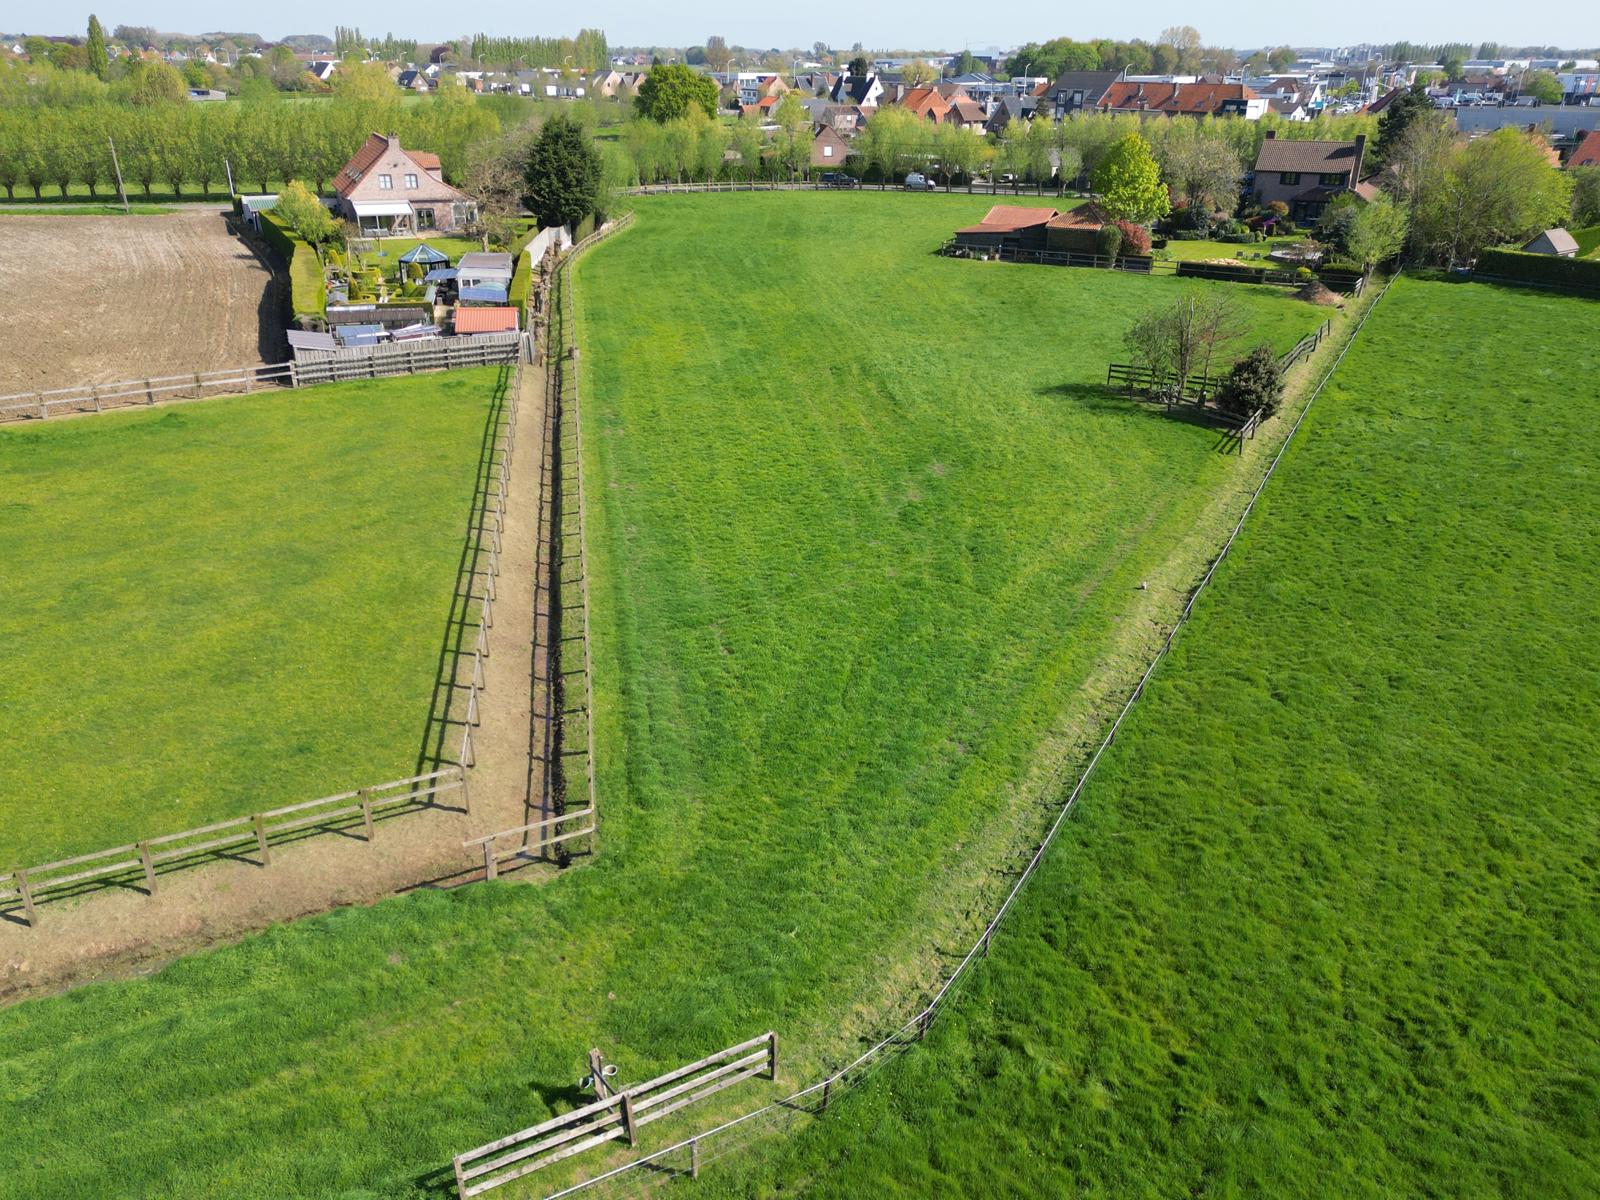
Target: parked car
838	179
917	182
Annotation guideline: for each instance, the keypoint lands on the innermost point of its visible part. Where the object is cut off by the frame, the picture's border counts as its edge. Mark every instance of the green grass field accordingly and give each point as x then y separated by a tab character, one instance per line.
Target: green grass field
226	605
1325	922
866	535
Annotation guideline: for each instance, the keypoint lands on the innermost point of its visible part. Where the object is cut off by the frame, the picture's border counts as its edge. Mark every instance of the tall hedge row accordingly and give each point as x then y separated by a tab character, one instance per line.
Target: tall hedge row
521	285
1545	270
307	294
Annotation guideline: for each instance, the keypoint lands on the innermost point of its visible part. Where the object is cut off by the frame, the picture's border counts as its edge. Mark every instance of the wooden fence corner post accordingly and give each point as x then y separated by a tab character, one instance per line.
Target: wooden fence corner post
366	810
261	839
149	868
27	899
461	1184
627	1120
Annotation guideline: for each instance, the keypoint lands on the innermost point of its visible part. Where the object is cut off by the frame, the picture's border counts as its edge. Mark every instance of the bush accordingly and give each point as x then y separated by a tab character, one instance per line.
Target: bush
1254	382
1572	274
1239	239
1135	238
1230	229
1108	242
1206	270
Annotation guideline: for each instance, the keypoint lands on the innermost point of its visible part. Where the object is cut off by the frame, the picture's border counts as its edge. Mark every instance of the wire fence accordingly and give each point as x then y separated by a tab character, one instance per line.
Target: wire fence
689	1155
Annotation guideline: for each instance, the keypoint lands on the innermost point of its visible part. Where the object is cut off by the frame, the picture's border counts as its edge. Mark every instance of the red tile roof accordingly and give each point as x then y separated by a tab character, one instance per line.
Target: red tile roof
361	161
425	160
1171	98
486	320
1008	218
1085	216
1588	152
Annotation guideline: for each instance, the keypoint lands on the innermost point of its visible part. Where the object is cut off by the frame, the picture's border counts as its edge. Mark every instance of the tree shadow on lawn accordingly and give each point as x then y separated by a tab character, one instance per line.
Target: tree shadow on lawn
447	709
1100	398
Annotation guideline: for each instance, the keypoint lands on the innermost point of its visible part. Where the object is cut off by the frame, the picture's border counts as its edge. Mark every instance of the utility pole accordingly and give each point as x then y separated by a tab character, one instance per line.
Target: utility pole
228	167
117	167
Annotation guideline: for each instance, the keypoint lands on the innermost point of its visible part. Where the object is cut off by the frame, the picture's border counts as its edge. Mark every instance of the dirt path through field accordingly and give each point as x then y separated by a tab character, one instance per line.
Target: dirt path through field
125	931
88	300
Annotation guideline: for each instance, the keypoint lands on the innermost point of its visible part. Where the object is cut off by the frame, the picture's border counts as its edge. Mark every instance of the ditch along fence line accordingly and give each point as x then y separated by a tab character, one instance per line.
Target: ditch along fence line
435	354
138	864
542	836
690	1155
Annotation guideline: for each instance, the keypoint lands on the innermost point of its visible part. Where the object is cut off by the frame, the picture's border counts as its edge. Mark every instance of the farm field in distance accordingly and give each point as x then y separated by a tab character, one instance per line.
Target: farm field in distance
1324	923
130	297
866	535
224	605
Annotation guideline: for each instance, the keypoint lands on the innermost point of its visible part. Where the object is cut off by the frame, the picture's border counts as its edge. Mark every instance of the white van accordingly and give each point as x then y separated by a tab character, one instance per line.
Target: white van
916	182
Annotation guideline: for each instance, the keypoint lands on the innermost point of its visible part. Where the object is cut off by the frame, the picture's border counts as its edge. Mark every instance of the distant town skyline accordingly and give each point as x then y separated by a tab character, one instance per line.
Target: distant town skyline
932	24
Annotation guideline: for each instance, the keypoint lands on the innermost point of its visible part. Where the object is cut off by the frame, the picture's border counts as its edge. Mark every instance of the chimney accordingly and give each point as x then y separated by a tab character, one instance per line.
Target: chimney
1361	149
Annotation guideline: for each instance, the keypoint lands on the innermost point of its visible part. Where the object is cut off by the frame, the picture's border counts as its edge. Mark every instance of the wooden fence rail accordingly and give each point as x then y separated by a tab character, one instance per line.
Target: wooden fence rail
350	363
548	833
257	833
612	1117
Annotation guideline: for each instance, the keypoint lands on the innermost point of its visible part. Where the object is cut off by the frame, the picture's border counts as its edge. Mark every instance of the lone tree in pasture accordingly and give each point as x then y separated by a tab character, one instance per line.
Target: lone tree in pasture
1128	181
1184	339
666	93
564	174
1255	382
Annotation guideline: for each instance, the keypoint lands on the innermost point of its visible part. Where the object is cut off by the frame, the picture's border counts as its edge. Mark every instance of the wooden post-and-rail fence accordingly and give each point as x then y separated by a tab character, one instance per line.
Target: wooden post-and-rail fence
612	1118
350	363
140	862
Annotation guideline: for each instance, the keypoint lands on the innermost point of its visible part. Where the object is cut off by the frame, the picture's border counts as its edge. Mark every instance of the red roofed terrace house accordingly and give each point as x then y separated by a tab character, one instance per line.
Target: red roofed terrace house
1182	99
387	189
1307	175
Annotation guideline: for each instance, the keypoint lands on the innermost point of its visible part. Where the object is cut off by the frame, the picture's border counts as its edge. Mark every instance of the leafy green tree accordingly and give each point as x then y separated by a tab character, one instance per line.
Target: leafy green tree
149	83
1199	165
860	66
1543	86
1378	232
1585	196
1128	181
1491	191
99	61
1337	220
305	214
564	174
666	93
794	134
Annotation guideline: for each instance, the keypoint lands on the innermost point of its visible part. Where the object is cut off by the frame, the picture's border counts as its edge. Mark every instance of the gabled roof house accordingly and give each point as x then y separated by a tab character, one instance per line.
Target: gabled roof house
1307	175
387	189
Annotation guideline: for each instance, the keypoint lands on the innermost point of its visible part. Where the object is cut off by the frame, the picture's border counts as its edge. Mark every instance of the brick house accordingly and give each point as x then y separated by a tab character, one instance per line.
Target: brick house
926	104
1306	175
828	149
387	189
1183	99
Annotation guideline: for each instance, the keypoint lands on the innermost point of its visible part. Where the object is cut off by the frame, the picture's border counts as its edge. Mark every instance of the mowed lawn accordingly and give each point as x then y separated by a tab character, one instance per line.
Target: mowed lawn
227	605
865	532
1326	921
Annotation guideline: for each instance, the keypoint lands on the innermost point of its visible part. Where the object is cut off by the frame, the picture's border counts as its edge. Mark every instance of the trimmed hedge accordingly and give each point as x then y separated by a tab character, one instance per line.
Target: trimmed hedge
1588	240
1544	270
521	285
308	297
1206	270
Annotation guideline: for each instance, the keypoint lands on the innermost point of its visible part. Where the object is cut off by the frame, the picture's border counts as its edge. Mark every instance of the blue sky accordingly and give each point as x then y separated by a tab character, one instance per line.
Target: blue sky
924	23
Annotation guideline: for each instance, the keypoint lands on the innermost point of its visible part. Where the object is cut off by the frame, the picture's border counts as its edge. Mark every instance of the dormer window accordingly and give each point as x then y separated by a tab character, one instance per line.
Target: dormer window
386	182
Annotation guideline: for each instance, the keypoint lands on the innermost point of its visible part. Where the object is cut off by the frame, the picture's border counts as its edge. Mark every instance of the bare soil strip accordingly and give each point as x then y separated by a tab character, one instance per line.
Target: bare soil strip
116	933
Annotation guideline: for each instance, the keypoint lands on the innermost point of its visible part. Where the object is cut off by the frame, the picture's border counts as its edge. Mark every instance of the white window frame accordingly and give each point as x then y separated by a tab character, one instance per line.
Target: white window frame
411	181
386	183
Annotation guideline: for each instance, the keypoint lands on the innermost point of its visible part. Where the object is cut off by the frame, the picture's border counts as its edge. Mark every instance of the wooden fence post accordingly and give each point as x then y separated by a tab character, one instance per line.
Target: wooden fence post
27	899
694	1158
94	394
466	803
149	867
827	1086
489	869
261	840
772	1056
366	810
627	1120
199	388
